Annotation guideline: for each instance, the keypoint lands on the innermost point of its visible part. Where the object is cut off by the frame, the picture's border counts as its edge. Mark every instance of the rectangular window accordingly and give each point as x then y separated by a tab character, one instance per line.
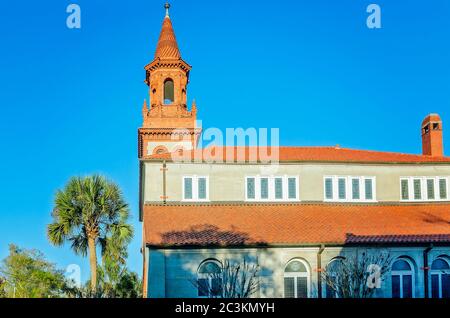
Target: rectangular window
355	189
407	286
395	286
278	188
289	287
273	188
202	188
349	188
341	189
302	287
216	286
264	188
424	188
430	189
405	189
195	188
188	195
443	189
434	286
329	188
251	189
417	189
368	183
446	286
292	188
203	287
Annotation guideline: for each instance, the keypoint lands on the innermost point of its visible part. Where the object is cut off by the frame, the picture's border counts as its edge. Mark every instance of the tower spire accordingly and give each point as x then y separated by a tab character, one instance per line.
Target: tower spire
144	108
167	7
167	43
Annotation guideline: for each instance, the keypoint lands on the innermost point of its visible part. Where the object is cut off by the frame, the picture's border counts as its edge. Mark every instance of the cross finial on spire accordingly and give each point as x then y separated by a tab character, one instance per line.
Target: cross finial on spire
167	7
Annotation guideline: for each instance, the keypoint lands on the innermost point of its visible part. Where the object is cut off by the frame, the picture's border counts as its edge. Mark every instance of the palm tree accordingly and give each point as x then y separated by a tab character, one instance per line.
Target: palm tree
90	212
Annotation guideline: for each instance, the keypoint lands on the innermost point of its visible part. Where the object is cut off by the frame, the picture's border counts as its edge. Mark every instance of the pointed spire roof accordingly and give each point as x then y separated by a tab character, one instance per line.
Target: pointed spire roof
167	43
144	107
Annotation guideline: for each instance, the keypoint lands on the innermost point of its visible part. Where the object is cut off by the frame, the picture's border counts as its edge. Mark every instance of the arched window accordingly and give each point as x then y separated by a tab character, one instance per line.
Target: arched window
169	93
440	278
160	150
296	279
402	275
209	279
178	150
332	278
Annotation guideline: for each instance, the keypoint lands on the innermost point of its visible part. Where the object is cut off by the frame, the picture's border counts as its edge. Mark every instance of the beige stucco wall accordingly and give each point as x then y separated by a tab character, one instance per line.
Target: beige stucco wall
174	270
227	181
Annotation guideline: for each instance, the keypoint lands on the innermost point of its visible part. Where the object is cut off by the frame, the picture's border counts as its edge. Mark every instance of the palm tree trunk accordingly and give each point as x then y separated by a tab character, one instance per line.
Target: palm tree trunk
93	262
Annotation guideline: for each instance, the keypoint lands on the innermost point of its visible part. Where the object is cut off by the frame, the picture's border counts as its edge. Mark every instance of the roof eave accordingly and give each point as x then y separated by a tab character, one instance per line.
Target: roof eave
307	161
297	245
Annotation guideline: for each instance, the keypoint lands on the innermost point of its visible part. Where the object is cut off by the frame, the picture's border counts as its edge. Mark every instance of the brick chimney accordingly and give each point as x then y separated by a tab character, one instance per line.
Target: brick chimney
432	144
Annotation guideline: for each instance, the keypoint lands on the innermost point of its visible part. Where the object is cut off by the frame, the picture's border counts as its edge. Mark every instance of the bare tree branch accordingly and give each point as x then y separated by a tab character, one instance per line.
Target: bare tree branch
234	281
357	277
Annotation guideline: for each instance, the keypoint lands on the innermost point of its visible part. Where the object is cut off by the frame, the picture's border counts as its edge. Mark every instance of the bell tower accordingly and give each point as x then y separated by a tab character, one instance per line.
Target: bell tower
168	125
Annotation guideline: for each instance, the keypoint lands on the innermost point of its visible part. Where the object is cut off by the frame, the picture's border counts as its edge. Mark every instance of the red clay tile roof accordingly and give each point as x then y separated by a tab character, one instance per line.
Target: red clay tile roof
167	44
306	154
294	224
361	239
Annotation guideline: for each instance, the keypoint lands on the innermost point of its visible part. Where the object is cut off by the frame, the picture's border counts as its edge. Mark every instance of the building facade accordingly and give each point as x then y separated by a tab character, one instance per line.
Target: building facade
293	216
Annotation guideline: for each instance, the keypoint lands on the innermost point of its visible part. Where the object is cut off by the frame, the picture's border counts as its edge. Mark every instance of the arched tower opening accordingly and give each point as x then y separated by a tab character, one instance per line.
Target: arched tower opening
169	91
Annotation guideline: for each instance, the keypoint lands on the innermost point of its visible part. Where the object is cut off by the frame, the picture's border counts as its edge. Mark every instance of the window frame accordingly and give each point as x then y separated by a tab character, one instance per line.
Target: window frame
169	79
286	188
325	179
255	180
260	181
434	180
351	185
424	188
408	190
195	189
283	190
421	184
207	276
439	273
335	276
364	191
346	186
402	273
296	275
438	192
349	188
271	188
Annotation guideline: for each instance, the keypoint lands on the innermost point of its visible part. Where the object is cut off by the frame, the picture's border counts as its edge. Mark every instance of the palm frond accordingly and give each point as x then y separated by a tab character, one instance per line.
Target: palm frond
92	207
80	242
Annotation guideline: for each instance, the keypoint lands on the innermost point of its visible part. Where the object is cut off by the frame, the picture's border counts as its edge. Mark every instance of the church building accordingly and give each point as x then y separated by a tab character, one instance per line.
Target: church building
318	206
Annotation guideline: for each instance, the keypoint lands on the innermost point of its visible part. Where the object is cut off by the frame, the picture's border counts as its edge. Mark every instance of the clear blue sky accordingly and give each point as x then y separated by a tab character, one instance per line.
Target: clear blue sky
71	99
